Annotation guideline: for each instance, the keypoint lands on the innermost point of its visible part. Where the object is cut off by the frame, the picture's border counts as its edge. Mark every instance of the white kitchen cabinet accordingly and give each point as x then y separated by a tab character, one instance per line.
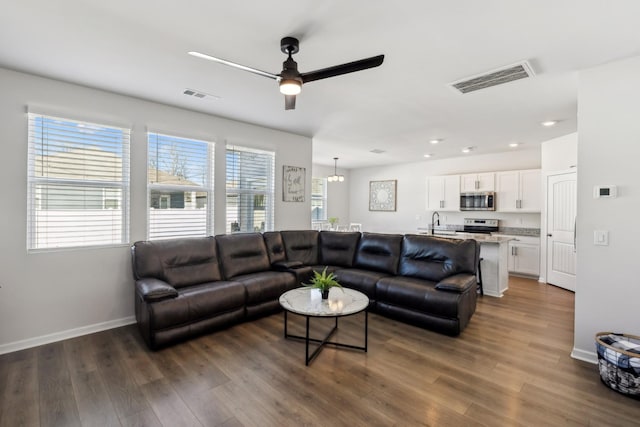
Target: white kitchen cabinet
519	191
524	256
477	182
443	193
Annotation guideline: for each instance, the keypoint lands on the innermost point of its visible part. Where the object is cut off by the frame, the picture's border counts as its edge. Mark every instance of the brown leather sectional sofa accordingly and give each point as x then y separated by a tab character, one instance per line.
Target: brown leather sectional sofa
186	287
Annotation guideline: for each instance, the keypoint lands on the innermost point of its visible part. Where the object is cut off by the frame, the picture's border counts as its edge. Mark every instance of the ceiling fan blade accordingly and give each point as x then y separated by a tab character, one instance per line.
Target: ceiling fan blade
338	70
234	65
289	102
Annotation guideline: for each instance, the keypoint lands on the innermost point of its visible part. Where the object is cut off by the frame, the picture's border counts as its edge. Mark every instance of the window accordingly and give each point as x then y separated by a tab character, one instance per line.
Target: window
180	187
78	184
318	199
250	189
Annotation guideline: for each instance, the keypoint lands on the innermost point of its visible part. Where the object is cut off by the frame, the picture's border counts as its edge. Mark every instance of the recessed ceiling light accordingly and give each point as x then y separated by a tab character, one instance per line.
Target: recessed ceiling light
435	141
549	123
428	155
467	149
513	145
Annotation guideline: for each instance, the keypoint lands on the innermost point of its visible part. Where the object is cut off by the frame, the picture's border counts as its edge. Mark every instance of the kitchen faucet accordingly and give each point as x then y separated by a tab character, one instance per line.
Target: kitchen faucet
433	224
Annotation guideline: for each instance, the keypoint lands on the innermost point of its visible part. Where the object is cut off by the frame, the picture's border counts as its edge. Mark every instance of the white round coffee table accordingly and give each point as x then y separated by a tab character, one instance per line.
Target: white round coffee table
307	302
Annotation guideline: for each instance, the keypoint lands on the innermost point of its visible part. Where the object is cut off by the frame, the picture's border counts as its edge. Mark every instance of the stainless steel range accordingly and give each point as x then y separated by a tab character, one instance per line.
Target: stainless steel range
486	226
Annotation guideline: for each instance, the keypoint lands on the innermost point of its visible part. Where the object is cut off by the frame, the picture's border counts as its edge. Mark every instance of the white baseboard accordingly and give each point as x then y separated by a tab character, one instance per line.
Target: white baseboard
585	356
63	335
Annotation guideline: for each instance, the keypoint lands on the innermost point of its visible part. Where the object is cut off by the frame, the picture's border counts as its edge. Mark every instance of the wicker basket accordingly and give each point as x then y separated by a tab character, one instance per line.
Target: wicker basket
619	362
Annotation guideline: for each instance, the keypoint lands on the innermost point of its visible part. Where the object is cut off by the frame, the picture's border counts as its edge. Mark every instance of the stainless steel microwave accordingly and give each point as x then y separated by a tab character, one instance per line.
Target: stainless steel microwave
481	201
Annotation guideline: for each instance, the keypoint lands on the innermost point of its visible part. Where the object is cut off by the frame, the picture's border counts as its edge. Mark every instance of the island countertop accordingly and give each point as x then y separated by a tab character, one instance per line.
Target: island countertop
479	237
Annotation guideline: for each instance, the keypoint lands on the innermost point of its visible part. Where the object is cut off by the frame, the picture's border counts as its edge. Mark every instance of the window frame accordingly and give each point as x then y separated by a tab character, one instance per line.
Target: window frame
269	193
323	198
209	188
34	203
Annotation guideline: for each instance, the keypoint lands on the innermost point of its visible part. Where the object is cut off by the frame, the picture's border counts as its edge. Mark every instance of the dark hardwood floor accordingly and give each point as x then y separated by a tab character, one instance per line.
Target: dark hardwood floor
510	367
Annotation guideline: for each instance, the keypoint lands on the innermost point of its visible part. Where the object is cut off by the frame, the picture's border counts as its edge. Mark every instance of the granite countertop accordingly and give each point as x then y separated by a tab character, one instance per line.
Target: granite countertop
458	235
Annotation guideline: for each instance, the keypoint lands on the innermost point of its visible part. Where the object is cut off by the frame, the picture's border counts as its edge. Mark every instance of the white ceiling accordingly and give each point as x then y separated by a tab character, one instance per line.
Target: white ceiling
139	47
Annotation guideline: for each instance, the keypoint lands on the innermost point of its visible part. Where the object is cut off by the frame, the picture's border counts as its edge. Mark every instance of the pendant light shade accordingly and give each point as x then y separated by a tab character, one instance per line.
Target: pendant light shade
335	177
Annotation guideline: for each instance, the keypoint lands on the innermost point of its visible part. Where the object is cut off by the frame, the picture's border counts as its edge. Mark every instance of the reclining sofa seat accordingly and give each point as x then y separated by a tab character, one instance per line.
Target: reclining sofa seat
436	285
244	259
180	291
376	256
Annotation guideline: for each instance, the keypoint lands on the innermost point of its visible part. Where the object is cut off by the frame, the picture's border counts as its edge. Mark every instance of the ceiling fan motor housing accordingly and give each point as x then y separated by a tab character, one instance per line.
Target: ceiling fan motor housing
289	45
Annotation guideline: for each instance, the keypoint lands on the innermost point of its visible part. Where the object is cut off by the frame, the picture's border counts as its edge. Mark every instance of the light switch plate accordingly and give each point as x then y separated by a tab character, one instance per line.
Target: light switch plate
601	237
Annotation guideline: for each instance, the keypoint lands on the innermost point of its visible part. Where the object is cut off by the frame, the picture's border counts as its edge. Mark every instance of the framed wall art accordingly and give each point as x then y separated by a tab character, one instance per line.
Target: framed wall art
382	195
293	183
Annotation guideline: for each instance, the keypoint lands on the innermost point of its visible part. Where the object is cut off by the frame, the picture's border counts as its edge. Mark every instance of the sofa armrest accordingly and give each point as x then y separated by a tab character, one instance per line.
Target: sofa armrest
286	265
457	283
152	290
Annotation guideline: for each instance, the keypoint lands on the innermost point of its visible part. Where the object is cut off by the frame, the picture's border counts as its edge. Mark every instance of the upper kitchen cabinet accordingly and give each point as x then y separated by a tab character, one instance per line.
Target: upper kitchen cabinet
477	182
519	191
443	193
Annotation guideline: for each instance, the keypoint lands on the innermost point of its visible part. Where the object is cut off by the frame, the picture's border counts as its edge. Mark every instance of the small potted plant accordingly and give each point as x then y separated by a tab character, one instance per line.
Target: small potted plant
323	282
333	221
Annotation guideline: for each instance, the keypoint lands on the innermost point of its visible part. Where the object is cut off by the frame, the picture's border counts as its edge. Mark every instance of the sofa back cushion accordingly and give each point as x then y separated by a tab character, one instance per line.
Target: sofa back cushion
301	245
379	252
338	248
242	254
434	258
179	262
275	246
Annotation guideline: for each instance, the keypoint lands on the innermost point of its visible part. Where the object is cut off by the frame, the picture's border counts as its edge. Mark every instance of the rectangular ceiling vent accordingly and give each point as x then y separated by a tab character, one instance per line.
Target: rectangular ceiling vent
521	70
199	94
377	151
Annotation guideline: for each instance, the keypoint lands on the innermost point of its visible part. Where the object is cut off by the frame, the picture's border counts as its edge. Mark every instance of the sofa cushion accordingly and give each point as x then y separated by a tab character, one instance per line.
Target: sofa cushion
417	294
434	258
197	302
275	247
379	252
266	286
301	246
242	253
360	280
338	248
179	262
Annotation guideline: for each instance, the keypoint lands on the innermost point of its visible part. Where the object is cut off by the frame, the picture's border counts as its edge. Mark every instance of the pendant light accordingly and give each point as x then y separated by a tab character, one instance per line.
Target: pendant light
335	177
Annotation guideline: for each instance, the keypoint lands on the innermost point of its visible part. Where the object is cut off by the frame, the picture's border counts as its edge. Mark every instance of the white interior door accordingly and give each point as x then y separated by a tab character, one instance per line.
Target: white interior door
561	223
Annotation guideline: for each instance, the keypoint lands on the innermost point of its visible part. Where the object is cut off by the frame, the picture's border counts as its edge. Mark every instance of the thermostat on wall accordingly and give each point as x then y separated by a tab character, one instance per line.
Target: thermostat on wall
604	191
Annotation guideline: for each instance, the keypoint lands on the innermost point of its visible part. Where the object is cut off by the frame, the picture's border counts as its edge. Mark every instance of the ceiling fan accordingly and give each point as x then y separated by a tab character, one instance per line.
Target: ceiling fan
290	79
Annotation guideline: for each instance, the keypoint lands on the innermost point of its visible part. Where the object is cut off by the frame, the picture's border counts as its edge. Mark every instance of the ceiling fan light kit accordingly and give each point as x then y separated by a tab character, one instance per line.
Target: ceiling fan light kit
290	80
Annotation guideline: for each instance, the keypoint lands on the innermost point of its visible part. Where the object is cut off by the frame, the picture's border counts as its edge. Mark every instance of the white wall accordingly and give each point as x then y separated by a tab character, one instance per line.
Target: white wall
608	288
558	155
51	295
337	193
411	210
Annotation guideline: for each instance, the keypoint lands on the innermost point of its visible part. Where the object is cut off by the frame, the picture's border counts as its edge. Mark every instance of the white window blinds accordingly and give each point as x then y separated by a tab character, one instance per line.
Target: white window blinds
250	189
180	187
318	199
78	184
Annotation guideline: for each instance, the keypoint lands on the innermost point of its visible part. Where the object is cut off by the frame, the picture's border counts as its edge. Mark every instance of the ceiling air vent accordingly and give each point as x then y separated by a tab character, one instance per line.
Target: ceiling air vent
377	151
521	70
200	94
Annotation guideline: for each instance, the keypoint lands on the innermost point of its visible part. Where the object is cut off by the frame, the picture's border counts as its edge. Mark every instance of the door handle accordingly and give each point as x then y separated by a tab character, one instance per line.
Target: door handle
549	235
575	218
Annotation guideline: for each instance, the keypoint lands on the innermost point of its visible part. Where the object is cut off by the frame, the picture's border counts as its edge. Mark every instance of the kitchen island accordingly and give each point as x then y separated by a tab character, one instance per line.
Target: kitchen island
494	250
